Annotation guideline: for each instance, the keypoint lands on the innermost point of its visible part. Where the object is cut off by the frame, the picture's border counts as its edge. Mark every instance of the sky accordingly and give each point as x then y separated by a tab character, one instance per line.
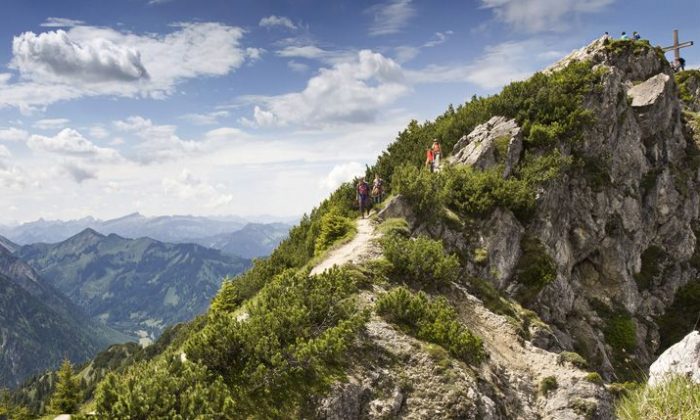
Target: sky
249	107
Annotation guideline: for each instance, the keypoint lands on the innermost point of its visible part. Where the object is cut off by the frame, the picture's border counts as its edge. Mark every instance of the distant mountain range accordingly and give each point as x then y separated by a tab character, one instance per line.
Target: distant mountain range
252	241
163	228
39	326
137	286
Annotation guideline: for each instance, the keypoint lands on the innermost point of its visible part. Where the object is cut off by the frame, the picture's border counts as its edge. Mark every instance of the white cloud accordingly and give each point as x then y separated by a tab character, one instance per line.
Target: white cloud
306	51
93	61
406	53
205	119
4	78
13	134
156	2
542	15
51	123
344	172
69	142
280	21
12	177
348	92
440	38
159	143
54	56
390	17
56	22
297	66
254	54
4	152
188	187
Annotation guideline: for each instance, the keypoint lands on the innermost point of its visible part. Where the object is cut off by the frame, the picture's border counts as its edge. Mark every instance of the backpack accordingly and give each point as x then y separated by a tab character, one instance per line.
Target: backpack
363	188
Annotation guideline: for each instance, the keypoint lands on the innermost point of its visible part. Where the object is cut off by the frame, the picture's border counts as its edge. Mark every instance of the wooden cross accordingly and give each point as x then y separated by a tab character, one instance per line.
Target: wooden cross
676	47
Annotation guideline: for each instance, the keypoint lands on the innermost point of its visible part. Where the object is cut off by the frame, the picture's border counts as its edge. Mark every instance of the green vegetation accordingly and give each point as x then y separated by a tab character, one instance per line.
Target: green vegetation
535	269
66	399
653	259
10	410
683	80
621	332
678	398
573	358
637	47
491	297
291	344
334	227
420	261
548	384
594	377
394	227
680	318
585	408
432	320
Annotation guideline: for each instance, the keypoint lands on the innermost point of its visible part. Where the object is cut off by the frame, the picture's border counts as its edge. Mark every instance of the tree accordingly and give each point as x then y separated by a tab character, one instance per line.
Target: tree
66	398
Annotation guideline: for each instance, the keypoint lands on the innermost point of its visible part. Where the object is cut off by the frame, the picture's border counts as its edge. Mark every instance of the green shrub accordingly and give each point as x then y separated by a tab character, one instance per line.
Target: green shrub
421	260
394	226
548	384
535	269
621	333
653	259
623	389
680	317
573	358
432	320
678	398
594	377
334	227
424	190
491	297
683	78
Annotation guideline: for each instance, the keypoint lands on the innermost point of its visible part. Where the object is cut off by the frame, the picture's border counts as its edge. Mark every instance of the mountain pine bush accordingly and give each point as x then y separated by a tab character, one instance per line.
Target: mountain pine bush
421	261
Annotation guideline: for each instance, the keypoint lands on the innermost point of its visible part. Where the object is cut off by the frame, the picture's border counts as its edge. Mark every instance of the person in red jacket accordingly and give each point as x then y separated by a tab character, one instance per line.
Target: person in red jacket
429	159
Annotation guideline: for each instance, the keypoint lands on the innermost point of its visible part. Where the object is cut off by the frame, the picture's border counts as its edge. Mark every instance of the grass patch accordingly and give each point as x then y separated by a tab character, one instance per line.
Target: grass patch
594	377
573	358
653	259
678	398
679	319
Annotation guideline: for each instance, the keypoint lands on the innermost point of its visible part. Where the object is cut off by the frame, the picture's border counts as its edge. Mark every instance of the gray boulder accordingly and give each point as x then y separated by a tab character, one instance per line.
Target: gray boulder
498	141
682	358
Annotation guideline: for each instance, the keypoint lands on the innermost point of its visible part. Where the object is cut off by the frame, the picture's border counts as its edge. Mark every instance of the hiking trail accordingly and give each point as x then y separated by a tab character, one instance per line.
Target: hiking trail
362	247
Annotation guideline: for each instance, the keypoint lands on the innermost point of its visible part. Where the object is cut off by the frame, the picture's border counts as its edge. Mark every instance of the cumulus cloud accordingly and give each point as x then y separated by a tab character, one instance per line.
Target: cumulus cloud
189	187
542	15
390	17
12	177
98	132
159	143
277	21
51	123
91	61
69	142
13	134
54	56
56	22
348	92
342	173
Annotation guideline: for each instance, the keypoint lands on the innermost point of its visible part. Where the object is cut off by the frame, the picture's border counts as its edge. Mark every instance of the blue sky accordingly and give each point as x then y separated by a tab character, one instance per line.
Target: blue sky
214	107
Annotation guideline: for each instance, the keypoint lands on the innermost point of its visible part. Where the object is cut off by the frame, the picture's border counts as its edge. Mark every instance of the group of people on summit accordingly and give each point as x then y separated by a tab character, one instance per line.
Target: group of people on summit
366	196
678	64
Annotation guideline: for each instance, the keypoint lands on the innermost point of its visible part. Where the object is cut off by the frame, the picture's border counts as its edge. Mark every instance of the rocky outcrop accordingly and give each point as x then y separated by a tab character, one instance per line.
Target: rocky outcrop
497	141
681	359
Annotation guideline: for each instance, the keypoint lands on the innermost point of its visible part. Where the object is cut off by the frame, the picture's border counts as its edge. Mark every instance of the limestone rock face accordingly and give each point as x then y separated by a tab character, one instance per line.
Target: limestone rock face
682	358
496	141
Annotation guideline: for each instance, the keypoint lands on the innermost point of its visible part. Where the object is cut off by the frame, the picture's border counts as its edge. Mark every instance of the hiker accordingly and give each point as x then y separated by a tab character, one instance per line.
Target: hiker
430	159
606	38
437	154
363	197
624	36
681	64
377	189
636	36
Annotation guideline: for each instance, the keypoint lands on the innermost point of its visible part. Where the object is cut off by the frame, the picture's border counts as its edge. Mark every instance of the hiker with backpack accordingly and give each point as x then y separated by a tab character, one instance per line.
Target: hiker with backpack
377	189
363	197
437	154
429	159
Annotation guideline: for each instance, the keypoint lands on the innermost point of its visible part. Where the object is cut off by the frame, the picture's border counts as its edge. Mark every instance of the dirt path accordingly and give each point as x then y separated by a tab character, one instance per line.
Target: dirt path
361	248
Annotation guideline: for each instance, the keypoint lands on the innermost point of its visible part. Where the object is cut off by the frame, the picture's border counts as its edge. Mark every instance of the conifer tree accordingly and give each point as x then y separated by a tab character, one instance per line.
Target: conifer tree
66	398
